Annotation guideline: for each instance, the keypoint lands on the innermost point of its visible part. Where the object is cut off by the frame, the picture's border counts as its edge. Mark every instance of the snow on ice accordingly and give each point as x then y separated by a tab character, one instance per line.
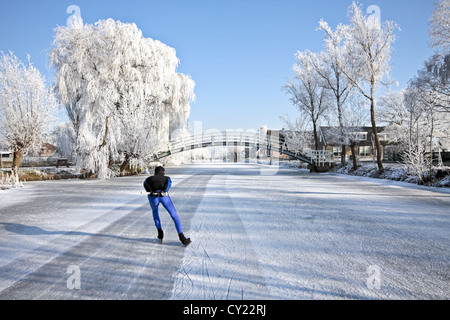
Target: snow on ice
293	235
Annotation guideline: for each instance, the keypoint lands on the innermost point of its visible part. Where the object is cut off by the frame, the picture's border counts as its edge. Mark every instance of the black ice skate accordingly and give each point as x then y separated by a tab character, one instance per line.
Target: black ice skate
184	240
160	234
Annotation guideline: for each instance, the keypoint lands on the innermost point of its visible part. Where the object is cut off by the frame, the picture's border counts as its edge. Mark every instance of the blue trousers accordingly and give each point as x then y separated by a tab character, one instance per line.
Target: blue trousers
168	205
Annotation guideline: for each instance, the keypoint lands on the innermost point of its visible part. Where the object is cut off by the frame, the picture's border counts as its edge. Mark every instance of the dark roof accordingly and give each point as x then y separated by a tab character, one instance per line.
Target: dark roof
49	146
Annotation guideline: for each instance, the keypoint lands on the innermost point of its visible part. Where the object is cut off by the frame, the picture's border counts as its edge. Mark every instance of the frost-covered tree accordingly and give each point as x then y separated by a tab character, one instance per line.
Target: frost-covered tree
429	84
402	113
27	107
355	116
440	25
64	137
394	113
308	91
84	86
297	136
434	79
418	116
335	79
416	125
369	45
121	92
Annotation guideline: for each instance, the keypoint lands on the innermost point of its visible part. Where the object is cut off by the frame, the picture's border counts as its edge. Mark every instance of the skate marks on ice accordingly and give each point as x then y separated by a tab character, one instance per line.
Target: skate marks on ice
124	260
294	235
107	270
297	235
220	263
327	235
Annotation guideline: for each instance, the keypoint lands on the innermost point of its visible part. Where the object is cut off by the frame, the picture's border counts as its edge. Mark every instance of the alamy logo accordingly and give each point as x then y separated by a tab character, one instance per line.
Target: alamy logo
74	280
374	278
374	13
76	13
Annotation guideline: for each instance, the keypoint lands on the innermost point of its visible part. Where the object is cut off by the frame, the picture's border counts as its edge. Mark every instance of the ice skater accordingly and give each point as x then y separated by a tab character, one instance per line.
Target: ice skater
157	187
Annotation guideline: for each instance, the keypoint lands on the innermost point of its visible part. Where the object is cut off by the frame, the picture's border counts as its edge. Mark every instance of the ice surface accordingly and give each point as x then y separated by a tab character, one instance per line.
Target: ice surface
293	235
298	235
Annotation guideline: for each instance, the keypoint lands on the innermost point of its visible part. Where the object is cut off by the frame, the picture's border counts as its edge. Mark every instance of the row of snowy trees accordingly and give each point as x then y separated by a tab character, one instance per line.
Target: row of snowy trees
121	92
341	85
356	59
418	116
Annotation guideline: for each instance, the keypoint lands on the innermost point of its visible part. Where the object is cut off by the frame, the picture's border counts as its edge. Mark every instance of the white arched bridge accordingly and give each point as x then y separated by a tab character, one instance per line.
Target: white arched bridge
256	145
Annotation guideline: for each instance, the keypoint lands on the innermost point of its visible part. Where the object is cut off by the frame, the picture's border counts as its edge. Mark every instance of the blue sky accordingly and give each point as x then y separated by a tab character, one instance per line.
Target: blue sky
239	52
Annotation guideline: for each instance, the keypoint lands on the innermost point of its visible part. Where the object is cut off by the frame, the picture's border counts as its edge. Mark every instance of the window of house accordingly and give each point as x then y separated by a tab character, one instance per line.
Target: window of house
337	151
364	151
362	136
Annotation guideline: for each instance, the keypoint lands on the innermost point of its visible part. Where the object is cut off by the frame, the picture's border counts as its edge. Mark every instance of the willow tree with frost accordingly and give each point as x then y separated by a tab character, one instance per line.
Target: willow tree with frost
121	91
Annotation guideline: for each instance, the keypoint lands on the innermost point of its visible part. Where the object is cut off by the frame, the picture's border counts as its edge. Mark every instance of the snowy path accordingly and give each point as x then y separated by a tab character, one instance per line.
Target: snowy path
104	228
293	235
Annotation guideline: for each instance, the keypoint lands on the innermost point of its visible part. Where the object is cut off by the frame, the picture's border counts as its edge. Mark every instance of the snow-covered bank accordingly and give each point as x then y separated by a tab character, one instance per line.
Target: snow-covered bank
393	171
397	172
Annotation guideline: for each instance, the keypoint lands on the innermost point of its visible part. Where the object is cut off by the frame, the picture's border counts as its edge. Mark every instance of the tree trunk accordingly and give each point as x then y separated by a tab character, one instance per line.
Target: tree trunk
355	162
17	159
111	162
106	134
124	164
431	145
375	134
316	137
341	123
316	146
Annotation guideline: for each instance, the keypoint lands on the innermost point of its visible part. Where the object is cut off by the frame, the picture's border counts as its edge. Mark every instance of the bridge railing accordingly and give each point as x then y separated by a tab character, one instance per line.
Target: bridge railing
246	139
320	157
226	139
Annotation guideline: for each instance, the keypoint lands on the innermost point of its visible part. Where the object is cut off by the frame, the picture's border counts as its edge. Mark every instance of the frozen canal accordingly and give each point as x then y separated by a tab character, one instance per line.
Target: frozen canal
292	235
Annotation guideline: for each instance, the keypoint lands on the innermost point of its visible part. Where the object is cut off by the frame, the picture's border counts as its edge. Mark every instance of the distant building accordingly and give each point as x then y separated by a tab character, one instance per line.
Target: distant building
39	158
47	150
6	159
366	141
